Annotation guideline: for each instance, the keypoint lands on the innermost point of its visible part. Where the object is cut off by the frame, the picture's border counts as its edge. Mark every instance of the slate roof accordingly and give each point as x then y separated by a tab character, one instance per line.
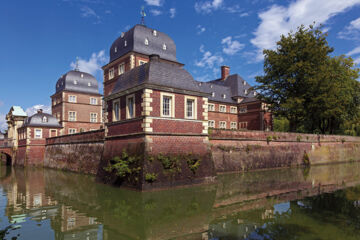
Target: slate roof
222	93
36	120
77	81
18	111
135	41
157	73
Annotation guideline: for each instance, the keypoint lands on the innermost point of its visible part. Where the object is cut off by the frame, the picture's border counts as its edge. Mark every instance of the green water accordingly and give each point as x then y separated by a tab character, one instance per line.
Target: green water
321	202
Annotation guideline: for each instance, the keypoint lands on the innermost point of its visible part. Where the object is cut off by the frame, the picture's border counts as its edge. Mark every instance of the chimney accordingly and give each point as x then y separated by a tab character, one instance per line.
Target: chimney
154	57
39	111
225	71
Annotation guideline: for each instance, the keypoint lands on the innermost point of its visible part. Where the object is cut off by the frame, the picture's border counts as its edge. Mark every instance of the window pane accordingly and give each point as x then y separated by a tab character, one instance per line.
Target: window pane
131	107
189	108
166	106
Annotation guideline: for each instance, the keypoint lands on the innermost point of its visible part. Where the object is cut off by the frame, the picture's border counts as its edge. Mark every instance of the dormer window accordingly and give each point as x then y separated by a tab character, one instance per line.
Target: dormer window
125	43
223	96
146	41
211	86
75	82
164	46
213	94
244	83
122	35
45	119
255	93
82	75
115	49
200	84
155	33
89	84
246	91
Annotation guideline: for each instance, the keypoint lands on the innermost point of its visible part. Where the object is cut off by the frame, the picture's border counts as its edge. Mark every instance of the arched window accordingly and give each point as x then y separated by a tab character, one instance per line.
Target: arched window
45	119
146	41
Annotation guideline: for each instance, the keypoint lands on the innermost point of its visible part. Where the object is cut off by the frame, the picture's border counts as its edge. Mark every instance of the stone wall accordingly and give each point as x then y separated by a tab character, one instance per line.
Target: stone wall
80	152
250	150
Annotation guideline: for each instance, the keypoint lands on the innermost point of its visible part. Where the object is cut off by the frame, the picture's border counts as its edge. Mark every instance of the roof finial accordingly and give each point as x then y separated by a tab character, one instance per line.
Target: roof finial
143	15
77	64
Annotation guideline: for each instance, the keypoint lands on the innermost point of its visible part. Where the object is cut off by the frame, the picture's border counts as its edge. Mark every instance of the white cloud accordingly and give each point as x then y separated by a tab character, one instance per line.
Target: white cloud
209	60
352	31
231	47
155	12
278	20
93	64
3	124
354	51
32	110
200	29
89	12
201	49
157	3
208	6
172	12
357	60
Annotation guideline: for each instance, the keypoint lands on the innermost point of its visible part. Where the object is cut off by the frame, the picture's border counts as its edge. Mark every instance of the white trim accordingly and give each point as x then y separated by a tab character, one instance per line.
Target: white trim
175	119
194	112
172	104
113	110
69	130
211	123
41	132
111	73
96	117
233	125
141	62
222	127
96	101
211	107
233	109
119	68
222	106
69	116
245	123
127	107
72	101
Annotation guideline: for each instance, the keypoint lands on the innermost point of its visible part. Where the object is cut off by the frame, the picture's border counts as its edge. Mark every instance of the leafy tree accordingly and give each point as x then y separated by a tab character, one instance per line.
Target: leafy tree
304	84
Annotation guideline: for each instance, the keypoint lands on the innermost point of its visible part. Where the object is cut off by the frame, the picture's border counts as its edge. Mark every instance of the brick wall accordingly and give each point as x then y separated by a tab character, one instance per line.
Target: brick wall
93	136
218	116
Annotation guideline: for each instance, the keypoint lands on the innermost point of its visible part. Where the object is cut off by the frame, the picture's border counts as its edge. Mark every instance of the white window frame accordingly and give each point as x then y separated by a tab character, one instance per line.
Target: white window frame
233	109
92	119
224	124
121	68
72	98
93	99
211	123
222	106
69	116
172	105
233	125
41	133
211	107
142	62
127	106
111	73
72	130
194	112
114	119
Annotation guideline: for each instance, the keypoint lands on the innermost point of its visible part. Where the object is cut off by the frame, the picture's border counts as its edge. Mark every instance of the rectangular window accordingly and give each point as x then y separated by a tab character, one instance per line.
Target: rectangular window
38	133
53	133
141	62
72	98
243	110
93	101
233	109
121	69
190	107
93	117
167	105
243	125
222	125
111	73
211	124
233	125
116	110
222	108
72	130
130	106
211	107
72	116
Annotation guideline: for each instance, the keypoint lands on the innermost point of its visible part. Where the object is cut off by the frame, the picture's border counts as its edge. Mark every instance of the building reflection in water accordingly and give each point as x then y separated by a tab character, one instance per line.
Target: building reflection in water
60	205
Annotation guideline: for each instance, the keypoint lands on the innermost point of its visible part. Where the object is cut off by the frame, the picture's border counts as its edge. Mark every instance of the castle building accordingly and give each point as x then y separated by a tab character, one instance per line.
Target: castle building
32	137
15	119
77	103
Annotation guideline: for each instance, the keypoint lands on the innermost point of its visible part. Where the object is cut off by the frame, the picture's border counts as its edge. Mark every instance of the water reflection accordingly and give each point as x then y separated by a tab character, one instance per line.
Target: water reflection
274	204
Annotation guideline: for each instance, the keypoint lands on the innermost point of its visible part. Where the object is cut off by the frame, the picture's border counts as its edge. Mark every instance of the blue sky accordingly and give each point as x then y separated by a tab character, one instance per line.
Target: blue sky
41	39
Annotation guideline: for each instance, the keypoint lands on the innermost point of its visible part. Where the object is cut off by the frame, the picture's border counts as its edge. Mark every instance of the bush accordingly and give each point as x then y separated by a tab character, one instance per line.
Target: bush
343	140
150	177
170	163
298	138
306	159
123	165
269	139
192	162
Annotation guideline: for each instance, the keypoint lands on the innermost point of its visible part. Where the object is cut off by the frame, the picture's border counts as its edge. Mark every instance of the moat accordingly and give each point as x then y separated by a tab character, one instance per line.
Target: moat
321	202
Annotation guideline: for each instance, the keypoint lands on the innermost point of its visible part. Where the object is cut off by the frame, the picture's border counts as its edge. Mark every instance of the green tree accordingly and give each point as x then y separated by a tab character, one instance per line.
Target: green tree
304	84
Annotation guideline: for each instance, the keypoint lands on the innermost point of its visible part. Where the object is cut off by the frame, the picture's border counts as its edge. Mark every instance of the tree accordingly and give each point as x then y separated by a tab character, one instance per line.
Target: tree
304	84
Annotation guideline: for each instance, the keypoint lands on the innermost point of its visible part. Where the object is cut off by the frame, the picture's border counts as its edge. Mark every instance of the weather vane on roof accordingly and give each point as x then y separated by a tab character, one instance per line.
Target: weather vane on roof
143	15
77	64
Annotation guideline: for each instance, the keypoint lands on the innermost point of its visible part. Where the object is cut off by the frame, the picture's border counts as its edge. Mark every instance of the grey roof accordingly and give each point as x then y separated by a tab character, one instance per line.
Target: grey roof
225	91
36	120
135	41
17	111
77	81
249	99
158	73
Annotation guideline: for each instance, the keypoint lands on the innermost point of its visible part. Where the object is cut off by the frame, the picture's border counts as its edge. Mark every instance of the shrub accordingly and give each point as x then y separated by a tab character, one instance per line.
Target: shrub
298	138
343	140
150	177
306	159
123	165
192	162
171	163
269	139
